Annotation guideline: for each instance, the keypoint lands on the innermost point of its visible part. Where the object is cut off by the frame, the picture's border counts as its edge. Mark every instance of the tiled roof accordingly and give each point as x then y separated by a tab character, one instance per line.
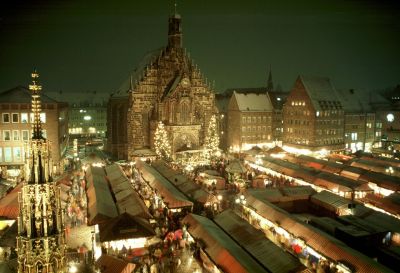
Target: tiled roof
253	102
21	94
321	92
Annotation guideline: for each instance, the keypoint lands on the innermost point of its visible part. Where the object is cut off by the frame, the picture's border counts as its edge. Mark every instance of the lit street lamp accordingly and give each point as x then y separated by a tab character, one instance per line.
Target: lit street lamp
389	170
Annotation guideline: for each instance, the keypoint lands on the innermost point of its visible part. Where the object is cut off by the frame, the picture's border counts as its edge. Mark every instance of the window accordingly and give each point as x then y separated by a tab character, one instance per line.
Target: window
25	135
244	119
44	133
254	119
7	154
6	135
15	135
244	129
17	154
43	117
24	117
353	136
15	117
1	154
6	117
248	119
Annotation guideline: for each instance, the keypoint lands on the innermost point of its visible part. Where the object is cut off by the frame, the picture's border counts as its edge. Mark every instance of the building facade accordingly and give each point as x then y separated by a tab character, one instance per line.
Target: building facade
167	87
313	117
41	231
363	126
250	120
16	122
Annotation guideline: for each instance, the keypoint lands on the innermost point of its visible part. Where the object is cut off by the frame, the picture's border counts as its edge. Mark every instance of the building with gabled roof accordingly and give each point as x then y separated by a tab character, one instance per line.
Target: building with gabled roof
249	120
362	126
313	116
166	86
16	129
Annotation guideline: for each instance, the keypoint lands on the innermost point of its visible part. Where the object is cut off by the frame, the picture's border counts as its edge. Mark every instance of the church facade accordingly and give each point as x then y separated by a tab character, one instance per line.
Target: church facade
167	86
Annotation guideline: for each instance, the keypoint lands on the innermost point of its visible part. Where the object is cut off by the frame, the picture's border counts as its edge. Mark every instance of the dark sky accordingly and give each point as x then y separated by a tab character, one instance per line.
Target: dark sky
80	45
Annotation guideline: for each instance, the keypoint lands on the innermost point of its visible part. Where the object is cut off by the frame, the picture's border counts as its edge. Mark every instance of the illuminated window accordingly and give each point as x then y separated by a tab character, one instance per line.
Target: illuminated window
43	117
244	129
1	154
7	154
317	113
244	119
17	154
6	117
353	136
44	133
24	117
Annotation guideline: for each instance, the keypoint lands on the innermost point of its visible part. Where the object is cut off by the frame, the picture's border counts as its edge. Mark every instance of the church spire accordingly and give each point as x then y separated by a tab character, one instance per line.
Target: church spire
35	88
270	84
174	30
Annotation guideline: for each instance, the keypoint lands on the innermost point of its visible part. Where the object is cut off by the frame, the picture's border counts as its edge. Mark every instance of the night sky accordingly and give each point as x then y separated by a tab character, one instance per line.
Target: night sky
94	45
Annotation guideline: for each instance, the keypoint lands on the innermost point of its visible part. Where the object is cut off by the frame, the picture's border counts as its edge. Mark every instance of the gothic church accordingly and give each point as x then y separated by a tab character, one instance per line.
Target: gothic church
167	86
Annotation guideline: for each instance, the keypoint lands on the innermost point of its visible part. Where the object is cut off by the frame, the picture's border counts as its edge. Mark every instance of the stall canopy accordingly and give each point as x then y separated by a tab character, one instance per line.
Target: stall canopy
254	241
321	242
330	201
332	181
185	185
110	264
101	205
9	204
125	226
382	180
221	249
389	203
127	200
170	194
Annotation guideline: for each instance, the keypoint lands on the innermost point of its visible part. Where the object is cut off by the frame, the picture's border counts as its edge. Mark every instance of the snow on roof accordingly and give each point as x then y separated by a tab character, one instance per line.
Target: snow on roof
21	94
253	102
321	92
355	101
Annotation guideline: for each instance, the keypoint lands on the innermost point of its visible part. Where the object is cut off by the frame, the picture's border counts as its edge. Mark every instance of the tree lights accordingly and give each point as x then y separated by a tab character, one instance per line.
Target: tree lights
161	142
211	142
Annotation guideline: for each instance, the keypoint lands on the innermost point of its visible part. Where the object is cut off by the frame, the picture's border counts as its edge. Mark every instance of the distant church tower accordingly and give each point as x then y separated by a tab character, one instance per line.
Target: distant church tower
270	84
41	234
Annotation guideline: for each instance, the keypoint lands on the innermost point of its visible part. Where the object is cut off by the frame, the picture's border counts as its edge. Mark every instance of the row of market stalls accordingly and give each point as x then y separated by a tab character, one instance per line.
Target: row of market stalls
310	176
174	199
308	242
347	181
381	183
120	217
190	188
220	252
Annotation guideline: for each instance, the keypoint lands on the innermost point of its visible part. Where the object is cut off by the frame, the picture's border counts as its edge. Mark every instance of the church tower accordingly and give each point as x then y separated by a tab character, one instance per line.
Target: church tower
270	84
41	233
174	31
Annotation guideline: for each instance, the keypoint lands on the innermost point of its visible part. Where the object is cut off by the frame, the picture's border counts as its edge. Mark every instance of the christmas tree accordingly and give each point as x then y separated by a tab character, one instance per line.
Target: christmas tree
211	143
161	143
